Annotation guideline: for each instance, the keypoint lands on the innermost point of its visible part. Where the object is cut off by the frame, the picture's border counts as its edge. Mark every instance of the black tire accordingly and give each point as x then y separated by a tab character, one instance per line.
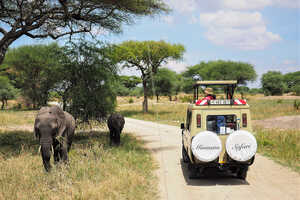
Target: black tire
242	173
185	157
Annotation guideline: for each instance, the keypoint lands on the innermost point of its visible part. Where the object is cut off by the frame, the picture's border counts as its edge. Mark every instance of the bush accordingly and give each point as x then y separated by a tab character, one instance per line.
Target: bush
130	100
297	104
296	90
186	99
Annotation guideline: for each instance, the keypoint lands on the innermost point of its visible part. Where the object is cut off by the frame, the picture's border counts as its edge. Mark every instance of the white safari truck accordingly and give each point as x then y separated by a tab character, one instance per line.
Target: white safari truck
217	135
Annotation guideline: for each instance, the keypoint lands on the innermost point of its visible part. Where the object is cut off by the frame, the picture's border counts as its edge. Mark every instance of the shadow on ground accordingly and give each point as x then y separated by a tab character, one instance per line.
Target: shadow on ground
210	178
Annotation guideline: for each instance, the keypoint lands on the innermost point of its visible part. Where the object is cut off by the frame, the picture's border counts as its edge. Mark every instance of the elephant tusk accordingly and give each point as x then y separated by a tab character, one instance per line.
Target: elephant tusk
40	149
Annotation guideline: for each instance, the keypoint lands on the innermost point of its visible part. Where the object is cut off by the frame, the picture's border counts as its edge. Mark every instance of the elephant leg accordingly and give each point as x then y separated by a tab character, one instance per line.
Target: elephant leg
56	152
111	137
118	138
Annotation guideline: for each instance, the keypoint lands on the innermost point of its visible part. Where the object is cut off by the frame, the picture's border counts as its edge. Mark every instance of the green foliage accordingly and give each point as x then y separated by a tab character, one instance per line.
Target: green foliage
255	91
222	70
7	91
186	99
147	56
296	89
35	68
130	100
292	81
88	80
55	19
164	81
130	82
296	104
272	83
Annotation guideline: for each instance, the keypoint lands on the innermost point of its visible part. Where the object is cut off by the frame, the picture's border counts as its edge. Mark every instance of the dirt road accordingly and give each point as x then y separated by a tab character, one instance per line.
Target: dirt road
266	179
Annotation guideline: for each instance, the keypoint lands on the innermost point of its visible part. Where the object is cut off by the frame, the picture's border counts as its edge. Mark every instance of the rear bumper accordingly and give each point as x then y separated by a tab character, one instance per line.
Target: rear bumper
226	165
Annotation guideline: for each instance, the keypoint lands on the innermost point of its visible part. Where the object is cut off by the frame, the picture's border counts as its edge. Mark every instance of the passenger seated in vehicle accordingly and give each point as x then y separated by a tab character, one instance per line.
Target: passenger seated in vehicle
208	94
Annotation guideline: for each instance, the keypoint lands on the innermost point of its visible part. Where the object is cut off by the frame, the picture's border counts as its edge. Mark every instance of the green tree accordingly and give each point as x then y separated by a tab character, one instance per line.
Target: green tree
147	56
35	68
222	70
292	80
164	81
88	81
7	91
273	83
58	18
127	84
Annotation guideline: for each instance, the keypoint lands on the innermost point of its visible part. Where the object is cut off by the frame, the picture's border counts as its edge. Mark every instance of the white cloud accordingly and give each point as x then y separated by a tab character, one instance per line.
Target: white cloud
176	66
182	7
287	3
246	4
242	30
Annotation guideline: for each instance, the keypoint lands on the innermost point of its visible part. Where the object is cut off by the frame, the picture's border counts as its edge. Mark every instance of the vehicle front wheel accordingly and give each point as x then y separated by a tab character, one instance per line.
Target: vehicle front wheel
242	173
185	156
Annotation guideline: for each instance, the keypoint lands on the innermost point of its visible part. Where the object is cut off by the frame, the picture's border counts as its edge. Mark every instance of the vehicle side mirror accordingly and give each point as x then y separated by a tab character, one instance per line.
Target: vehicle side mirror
182	125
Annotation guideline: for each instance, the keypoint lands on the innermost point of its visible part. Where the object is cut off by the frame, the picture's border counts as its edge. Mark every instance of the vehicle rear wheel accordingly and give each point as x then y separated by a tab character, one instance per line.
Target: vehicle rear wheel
242	173
185	157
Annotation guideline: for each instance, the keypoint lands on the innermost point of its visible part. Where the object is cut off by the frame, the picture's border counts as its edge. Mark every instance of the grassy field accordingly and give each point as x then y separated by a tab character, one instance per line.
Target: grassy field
282	146
175	113
95	171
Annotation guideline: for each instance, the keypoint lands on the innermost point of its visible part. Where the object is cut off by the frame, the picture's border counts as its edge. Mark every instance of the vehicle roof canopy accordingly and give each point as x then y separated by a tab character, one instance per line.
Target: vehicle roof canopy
206	83
229	87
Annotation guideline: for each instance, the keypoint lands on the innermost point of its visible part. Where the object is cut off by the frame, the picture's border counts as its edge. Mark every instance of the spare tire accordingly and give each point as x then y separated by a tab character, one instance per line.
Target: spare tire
241	145
206	146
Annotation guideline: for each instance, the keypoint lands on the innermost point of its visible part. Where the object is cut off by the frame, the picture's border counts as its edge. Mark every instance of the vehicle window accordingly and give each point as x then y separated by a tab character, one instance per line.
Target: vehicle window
221	124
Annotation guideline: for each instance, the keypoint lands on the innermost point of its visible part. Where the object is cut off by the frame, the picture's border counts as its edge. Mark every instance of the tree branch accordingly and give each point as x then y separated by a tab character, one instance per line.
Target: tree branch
3	31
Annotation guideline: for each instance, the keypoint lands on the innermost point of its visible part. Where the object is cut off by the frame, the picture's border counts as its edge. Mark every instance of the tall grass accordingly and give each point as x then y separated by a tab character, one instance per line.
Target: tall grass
281	145
263	109
95	170
13	118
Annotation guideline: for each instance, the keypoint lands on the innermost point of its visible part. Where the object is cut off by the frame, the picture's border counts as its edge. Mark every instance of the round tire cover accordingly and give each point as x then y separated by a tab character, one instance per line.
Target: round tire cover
241	145
206	146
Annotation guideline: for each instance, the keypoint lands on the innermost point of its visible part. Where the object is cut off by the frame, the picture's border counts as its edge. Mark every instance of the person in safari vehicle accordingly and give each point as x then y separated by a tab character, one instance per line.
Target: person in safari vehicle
209	94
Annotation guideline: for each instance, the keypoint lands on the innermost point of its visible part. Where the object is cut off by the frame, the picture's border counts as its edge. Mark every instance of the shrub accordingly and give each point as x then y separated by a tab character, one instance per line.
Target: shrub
186	99
297	104
130	100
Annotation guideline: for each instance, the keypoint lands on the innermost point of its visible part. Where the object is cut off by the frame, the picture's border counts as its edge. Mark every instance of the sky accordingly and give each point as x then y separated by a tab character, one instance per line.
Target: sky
264	33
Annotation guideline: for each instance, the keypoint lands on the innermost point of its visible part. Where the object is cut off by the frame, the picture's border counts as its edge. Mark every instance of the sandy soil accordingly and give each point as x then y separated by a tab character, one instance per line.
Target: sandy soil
266	179
286	122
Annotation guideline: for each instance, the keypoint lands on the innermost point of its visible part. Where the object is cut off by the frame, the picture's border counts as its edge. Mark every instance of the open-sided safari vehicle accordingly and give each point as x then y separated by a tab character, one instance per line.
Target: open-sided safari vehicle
217	133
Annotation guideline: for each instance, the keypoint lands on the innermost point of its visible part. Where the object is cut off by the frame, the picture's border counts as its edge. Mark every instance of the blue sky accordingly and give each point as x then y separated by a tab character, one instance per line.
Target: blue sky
265	33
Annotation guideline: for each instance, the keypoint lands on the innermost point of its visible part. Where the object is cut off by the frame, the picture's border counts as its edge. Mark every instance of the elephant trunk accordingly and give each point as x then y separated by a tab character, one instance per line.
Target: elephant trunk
46	148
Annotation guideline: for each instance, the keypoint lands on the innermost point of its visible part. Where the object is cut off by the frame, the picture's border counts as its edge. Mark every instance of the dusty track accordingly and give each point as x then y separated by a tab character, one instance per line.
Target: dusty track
266	180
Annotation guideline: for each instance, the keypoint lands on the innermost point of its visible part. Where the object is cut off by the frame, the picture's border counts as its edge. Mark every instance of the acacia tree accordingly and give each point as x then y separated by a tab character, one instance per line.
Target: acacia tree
7	91
88	80
273	83
164	81
35	69
147	57
58	18
222	70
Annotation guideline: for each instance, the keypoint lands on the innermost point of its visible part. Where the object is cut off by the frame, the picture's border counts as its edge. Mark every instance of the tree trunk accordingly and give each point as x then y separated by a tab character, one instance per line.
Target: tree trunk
157	98
170	97
4	44
2	107
145	103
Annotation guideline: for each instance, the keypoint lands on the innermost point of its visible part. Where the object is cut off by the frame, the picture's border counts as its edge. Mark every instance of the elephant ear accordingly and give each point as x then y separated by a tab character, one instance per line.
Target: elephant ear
61	119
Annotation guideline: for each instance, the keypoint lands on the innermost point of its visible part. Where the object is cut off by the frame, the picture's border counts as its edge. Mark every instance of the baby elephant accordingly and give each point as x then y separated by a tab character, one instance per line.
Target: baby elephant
55	130
115	124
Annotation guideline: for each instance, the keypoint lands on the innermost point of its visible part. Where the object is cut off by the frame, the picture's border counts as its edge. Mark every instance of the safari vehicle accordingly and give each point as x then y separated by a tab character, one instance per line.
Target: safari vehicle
217	133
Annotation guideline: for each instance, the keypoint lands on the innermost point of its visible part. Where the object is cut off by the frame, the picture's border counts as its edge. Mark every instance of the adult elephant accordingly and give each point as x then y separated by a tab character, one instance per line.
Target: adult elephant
54	128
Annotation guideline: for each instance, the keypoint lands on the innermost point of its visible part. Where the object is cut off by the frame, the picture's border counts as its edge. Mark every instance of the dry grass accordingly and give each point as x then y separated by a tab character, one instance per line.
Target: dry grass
175	113
282	146
166	113
15	118
95	171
